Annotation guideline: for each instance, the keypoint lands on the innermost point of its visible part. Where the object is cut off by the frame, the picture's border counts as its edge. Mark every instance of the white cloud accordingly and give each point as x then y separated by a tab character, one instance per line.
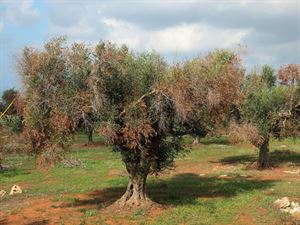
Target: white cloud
195	37
83	30
184	38
122	32
180	38
20	12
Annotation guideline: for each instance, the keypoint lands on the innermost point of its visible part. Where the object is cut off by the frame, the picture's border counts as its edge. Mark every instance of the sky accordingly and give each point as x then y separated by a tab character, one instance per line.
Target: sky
262	31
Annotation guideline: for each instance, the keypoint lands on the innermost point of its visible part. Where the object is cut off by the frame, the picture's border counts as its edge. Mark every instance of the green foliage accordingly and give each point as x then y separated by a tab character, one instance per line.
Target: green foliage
259	107
268	77
12	123
169	149
7	98
262	102
133	114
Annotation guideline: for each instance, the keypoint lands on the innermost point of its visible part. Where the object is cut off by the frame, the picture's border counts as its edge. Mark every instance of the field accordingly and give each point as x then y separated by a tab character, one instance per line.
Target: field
212	184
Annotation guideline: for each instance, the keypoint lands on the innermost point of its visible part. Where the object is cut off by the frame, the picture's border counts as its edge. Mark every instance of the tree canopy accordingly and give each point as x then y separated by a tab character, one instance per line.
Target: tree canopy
269	109
138	102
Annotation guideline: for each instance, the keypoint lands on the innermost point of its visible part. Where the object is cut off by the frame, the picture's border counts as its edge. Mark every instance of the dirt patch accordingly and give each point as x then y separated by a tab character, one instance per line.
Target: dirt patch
74	209
276	174
195	167
117	173
262	211
41	211
246	219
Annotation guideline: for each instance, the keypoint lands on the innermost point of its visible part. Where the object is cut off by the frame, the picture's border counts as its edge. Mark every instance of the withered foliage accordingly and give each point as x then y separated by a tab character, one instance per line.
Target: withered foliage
244	132
215	89
289	74
56	94
287	122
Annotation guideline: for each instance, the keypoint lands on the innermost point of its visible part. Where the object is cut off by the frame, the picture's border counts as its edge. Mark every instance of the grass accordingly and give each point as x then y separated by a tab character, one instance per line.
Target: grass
213	184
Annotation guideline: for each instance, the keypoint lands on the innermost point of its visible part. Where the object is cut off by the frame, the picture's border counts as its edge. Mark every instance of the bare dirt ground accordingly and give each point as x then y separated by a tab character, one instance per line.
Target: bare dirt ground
39	211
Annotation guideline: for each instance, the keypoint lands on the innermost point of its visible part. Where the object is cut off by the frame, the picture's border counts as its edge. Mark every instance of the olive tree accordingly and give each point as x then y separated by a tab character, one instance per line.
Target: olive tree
137	100
265	111
142	103
216	81
289	76
55	94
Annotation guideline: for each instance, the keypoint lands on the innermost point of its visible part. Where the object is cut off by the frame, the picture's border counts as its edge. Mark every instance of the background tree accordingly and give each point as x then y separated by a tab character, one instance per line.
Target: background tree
11	124
289	76
56	95
8	97
264	103
216	81
268	76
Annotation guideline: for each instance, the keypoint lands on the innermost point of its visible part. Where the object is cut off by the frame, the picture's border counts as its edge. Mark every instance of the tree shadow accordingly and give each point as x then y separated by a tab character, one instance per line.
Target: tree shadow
39	222
185	189
277	157
238	159
13	171
181	189
218	140
283	156
3	222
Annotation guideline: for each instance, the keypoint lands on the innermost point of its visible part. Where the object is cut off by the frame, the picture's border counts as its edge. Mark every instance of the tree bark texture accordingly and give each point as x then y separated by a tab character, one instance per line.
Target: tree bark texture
263	158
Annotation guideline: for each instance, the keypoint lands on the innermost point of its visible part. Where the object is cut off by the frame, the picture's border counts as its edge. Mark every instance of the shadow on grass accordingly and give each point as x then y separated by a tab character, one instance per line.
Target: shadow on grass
215	140
277	158
182	189
13	171
242	159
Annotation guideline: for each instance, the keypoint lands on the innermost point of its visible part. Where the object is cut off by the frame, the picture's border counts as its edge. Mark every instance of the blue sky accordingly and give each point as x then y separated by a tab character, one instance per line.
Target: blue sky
268	31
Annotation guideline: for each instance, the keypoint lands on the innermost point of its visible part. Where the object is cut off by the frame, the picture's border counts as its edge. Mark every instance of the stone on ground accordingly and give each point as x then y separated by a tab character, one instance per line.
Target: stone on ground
2	193
282	203
15	190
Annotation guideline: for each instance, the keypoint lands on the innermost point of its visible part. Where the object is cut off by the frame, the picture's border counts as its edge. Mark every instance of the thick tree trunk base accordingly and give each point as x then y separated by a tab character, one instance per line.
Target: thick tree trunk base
135	195
134	201
261	166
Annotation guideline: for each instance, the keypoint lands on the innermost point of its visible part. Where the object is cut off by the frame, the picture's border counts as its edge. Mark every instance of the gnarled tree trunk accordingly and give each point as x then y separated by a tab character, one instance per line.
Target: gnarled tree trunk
135	194
263	158
138	166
